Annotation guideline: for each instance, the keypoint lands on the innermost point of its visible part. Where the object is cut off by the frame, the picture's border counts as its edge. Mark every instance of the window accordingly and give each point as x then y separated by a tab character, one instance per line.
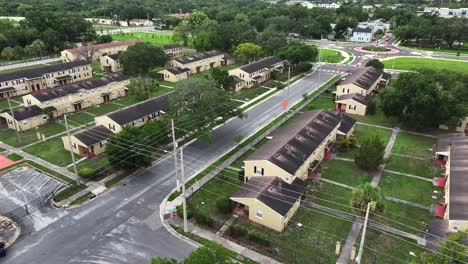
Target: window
258	170
259	213
74	145
343	90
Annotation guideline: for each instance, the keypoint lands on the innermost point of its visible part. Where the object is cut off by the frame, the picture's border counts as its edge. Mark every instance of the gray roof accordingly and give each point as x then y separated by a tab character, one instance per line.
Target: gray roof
386	76
364	77
177	70
458	201
199	56
354	96
114	56
40	71
25	113
134	112
273	192
93	135
362	30
75	88
172	46
445	141
291	145
261	64
347	123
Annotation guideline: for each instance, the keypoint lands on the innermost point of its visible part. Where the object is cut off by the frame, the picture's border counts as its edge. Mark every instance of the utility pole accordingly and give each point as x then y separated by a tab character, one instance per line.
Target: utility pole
174	143
289	77
13	116
361	246
184	199
71	151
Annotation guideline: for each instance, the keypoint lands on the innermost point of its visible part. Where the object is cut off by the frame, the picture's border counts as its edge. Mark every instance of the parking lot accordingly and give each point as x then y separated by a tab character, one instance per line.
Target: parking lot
22	186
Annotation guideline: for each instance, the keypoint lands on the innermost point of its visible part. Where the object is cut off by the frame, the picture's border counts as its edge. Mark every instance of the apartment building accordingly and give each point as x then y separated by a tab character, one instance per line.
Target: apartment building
174	74
37	79
444	12
452	151
355	104
88	143
361	35
110	63
202	61
94	52
462	126
76	97
257	72
173	51
24	118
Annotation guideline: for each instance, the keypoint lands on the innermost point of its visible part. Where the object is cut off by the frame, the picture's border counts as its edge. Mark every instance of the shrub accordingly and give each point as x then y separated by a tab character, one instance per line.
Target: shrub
88	172
259	238
203	219
303	66
370	154
347	144
365	194
223	205
375	63
14	157
237	231
371	107
180	211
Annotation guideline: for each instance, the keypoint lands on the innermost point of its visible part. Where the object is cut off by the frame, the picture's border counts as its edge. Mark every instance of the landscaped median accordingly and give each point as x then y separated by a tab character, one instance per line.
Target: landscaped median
418	63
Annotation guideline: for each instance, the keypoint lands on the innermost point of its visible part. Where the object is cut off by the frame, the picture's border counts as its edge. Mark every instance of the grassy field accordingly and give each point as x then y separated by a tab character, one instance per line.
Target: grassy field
29	136
332	196
103	109
425	63
52	151
322	102
408	165
406	188
4	104
414	145
414	219
344	172
444	50
248	94
154	38
362	131
78	119
331	56
23	68
376	119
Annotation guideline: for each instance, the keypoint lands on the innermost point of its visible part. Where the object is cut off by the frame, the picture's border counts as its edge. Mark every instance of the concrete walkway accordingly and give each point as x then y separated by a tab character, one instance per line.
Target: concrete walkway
344	159
226	226
409	156
393	199
337	183
409	175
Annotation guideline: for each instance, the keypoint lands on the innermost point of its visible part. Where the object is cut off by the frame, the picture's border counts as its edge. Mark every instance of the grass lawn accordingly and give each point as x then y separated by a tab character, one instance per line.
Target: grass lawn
29	136
322	102
103	109
376	119
344	172
362	131
153	38
4	104
126	101
97	73
443	50
382	248
425	63
336	197
248	94
98	162
406	188
23	68
349	154
414	219
414	145
166	83
408	165
317	240
331	56
205	74
78	119
52	151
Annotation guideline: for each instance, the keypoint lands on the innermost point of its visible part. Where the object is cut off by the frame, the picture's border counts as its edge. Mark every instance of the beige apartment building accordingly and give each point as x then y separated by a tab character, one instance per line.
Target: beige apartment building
24	118
135	115
202	61
174	74
95	52
110	63
462	126
364	81
76	97
37	79
452	149
354	103
257	72
89	142
174	51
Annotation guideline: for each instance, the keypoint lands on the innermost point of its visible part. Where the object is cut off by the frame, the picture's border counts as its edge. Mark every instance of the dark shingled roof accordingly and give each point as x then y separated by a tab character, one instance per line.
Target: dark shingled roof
98	47
177	70
362	30
40	71
199	56
347	123
364	77
261	64
386	76
354	96
445	141
114	56
172	46
75	88
458	201
273	192
291	145
134	112
25	113
93	135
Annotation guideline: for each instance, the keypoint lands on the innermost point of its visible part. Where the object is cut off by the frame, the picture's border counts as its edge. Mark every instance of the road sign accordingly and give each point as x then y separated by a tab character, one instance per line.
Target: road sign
285	104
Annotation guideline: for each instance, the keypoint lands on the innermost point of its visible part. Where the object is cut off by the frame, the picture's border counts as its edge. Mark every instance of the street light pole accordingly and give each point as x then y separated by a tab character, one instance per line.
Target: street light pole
184	199
174	143
71	151
13	116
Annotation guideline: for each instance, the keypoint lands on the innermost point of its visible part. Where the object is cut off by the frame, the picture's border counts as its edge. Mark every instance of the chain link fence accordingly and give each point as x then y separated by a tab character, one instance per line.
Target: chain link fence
198	184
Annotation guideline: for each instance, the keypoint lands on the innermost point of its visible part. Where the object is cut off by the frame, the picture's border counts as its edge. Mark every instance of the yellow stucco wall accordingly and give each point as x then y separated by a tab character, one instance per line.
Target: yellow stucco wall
170	77
68	56
107	62
108	123
203	64
25	124
97	149
360	108
462	126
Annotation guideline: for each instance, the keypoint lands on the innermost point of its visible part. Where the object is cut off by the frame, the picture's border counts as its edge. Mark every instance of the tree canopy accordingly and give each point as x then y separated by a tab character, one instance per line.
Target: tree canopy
427	98
246	52
376	63
370	154
364	194
297	52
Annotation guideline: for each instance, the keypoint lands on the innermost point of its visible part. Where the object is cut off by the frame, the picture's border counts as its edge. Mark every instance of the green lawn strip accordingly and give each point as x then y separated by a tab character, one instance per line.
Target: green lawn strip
411	166
78	119
87	167
349	154
344	172
404	217
23	68
246	142
322	102
248	94
166	83
115	180
263	97
380	247
29	136
83	198
103	109
14	157
406	188
442	50
162	90
413	64
126	101
331	56
362	132
376	119
319	235
97	72
208	243
68	192
154	38
52	151
414	145
4	105
332	196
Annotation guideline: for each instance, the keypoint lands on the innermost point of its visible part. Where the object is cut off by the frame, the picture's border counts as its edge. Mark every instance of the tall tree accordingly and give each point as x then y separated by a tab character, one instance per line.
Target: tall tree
36	48
371	153
222	78
297	52
247	52
376	63
364	194
8	53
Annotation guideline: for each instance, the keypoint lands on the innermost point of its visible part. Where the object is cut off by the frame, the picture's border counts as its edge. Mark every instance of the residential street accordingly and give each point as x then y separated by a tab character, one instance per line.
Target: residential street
123	225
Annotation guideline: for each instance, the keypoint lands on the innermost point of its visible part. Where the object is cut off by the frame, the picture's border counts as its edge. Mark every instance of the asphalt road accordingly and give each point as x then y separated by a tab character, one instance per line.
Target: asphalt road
123	225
